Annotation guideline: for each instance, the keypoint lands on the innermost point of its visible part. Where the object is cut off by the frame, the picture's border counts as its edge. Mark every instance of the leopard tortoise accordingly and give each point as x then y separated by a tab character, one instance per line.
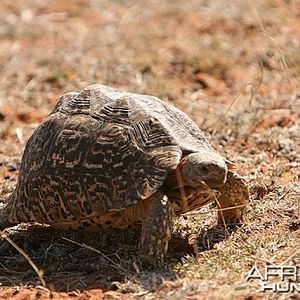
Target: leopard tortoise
107	159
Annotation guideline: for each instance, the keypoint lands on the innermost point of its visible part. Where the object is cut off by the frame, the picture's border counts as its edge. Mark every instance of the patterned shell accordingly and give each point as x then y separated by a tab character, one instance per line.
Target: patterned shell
103	150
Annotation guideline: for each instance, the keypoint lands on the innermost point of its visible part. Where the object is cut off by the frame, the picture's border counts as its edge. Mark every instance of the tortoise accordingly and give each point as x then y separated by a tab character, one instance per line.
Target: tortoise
106	158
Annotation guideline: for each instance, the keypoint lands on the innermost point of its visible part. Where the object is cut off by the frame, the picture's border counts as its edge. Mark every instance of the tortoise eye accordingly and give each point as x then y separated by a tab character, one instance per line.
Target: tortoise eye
204	169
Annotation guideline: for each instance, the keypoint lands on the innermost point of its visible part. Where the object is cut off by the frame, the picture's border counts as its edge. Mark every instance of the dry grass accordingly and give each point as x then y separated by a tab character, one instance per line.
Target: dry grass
233	66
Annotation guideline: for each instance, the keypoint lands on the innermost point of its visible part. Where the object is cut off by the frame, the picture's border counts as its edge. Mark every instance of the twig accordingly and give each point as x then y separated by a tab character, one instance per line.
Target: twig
293	255
39	272
286	193
97	251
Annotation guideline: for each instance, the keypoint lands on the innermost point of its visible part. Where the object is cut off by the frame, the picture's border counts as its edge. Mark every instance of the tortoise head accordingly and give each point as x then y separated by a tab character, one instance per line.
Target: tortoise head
207	166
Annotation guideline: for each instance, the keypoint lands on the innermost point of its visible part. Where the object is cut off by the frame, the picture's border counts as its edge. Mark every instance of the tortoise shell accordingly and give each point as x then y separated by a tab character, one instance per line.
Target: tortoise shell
100	151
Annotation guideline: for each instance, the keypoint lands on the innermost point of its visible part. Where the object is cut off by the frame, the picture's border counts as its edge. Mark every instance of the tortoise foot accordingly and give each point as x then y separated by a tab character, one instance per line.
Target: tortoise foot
156	231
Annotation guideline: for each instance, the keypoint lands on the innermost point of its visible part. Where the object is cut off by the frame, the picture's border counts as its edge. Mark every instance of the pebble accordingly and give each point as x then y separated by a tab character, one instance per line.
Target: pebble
258	189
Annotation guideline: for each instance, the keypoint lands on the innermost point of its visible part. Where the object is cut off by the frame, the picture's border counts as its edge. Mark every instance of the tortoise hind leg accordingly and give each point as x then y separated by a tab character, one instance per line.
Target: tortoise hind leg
156	230
4	222
2	219
7	209
234	194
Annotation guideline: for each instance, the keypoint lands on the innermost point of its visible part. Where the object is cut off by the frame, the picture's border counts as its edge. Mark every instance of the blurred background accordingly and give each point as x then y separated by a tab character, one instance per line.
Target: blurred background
204	56
232	66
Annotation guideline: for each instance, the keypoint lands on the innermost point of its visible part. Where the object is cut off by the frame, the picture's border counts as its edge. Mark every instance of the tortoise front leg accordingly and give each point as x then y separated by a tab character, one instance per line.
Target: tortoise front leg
234	194
156	229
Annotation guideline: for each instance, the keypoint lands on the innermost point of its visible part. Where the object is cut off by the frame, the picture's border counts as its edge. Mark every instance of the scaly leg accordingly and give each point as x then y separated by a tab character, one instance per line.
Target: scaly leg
7	218
234	194
156	229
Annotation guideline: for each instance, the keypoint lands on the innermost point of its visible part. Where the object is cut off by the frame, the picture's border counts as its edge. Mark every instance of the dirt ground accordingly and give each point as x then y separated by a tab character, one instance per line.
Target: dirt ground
232	66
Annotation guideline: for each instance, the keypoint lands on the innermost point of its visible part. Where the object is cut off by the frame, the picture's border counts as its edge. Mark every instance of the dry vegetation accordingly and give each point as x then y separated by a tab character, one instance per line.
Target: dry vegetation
233	66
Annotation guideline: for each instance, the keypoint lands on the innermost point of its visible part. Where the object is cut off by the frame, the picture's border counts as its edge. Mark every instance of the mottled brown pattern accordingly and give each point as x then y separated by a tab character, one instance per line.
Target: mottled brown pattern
106	159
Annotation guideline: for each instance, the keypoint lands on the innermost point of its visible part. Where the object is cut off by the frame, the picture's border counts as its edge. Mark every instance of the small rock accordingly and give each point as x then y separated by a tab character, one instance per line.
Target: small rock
12	167
259	190
2	116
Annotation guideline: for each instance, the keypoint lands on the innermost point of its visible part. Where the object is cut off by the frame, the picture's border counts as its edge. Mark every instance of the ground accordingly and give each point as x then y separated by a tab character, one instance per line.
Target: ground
232	66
